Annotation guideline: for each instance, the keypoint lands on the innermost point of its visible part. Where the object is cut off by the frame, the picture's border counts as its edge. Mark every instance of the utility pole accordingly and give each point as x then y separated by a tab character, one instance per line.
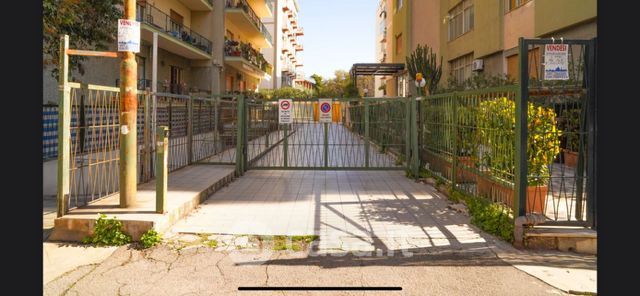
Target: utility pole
128	115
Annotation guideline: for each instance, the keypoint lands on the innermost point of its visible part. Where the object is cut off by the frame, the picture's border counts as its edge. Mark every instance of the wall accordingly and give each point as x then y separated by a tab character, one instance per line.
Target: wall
483	40
166	5
519	22
548	21
425	24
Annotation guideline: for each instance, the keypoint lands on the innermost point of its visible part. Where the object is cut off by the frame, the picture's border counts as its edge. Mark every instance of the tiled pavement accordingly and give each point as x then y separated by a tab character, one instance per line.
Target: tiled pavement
349	210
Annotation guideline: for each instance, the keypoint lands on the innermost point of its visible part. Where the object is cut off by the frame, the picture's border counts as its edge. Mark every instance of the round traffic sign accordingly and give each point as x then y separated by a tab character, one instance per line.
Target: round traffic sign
285	105
325	107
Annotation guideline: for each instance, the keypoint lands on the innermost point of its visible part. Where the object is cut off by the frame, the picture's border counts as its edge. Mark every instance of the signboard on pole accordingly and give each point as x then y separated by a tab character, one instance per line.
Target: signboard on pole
128	35
284	111
556	62
325	110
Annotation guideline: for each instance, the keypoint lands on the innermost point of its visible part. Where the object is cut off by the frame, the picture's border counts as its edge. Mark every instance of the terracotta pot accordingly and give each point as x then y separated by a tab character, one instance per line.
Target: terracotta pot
536	195
464	175
570	158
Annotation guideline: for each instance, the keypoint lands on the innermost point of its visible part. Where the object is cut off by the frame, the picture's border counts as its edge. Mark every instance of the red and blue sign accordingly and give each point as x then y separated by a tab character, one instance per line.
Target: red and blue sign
325	107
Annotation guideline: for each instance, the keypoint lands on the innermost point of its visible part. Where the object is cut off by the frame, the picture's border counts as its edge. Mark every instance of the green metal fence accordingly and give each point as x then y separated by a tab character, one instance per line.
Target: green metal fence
365	133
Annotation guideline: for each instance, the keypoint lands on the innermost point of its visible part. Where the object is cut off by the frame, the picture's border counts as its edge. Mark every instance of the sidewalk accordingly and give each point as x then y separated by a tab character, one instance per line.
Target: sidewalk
187	188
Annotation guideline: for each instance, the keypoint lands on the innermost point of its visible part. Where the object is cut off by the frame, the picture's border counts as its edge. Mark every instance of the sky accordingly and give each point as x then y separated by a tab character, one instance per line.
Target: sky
337	34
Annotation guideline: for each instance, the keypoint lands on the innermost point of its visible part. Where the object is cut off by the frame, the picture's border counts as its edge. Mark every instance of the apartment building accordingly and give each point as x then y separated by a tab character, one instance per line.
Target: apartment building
481	36
477	36
409	23
243	35
200	46
382	32
285	55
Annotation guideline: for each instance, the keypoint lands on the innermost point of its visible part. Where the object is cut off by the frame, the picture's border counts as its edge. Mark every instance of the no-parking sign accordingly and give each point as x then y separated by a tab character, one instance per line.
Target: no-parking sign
325	110
284	111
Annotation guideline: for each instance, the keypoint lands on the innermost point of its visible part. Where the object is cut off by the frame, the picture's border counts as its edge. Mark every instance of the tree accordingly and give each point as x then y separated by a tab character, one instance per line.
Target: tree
424	60
90	24
318	84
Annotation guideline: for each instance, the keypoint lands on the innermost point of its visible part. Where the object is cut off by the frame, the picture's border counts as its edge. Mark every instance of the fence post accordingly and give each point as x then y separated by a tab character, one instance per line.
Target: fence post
454	164
415	161
190	130
407	128
591	132
239	132
367	140
522	96
64	128
146	171
162	175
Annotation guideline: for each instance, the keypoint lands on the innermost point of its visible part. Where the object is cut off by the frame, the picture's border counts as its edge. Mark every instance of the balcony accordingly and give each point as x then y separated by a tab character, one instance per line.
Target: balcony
299	47
246	59
198	5
173	37
300	32
240	14
262	7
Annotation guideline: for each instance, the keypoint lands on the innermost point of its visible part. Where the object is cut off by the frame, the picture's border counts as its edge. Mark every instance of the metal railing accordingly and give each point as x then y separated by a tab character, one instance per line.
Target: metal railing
470	139
234	48
154	17
242	4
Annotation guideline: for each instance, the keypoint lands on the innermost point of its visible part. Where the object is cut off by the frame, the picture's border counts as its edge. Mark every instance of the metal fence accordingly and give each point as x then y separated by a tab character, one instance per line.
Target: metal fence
202	129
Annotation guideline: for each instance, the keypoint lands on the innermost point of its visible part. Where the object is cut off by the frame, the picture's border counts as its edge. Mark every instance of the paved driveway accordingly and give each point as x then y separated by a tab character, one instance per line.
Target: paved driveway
349	210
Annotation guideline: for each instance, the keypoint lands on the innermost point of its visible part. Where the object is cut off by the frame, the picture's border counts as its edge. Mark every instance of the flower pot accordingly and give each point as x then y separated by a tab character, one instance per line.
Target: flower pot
464	175
570	158
499	192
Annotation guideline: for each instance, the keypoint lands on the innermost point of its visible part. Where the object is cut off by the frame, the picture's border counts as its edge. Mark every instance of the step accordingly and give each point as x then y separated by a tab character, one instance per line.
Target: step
573	239
187	188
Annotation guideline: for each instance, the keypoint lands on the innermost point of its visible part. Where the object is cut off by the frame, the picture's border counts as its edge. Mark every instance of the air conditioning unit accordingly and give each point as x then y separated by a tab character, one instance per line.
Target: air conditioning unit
477	65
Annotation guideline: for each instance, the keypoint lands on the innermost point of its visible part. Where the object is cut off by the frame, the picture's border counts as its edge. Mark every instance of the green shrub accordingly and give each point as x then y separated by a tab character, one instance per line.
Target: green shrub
496	122
150	238
494	218
107	232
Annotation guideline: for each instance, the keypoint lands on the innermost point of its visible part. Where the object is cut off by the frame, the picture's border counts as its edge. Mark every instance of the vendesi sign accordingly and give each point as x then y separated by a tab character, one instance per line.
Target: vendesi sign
556	62
325	110
128	35
284	111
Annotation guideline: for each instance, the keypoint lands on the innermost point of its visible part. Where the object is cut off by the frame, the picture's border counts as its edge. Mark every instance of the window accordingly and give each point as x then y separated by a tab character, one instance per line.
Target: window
399	44
461	67
398	4
461	19
513	4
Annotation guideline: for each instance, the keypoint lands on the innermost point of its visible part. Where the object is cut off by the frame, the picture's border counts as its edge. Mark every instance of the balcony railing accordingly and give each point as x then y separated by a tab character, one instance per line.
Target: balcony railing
142	83
254	57
154	17
252	16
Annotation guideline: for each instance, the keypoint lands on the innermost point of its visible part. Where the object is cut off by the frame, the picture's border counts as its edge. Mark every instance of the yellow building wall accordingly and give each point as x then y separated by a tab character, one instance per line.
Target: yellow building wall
484	39
519	22
166	5
553	15
399	26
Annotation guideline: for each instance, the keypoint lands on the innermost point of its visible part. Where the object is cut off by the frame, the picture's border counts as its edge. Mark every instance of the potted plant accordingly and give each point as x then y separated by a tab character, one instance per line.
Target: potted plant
571	126
496	132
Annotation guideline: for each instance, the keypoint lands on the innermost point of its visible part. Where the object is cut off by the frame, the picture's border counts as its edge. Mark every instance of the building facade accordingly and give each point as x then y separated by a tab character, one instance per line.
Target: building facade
200	46
285	55
484	31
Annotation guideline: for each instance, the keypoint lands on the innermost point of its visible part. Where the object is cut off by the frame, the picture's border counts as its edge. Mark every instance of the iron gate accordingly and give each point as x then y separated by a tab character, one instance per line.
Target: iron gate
364	133
568	184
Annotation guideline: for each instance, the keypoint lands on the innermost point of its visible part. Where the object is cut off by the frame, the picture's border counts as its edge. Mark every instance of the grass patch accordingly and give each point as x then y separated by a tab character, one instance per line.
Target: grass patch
294	243
494	218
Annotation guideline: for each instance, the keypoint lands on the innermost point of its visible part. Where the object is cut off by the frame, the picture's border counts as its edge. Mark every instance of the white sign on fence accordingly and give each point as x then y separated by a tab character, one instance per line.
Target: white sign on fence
128	35
284	111
556	62
325	109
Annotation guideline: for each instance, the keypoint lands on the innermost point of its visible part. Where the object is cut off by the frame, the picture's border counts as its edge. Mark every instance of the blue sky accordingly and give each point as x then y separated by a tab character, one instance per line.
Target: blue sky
337	34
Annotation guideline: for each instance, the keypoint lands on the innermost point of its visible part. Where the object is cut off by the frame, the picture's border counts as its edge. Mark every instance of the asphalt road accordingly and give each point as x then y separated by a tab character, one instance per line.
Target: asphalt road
201	270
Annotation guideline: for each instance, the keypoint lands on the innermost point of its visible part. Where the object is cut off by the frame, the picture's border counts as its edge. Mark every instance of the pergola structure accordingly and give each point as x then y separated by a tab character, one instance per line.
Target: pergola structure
374	69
